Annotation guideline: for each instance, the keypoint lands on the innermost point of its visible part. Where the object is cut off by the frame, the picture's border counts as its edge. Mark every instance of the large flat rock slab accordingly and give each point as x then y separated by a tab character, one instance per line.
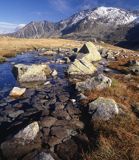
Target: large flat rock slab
31	73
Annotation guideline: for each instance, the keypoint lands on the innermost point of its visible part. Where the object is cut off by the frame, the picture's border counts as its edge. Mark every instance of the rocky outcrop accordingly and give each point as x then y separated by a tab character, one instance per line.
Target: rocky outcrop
83	63
31	73
103	109
98	82
22	143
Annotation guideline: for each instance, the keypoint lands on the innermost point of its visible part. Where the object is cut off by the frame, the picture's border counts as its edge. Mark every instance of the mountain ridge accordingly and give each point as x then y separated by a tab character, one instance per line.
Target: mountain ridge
107	24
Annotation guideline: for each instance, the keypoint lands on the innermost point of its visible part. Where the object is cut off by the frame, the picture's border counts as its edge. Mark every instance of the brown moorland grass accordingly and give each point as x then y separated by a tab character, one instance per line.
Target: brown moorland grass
123	90
11	46
118	139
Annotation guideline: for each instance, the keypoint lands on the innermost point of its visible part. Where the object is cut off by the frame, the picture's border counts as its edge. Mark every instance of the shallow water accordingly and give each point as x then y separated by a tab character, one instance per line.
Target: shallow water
7	79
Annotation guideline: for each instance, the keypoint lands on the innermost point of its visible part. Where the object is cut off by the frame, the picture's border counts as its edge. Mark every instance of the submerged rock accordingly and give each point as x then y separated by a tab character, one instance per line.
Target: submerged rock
103	109
31	73
22	143
17	92
98	82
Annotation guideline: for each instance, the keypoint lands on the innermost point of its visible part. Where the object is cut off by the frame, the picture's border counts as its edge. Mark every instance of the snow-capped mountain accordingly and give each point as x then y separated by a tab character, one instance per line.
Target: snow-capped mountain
106	14
103	23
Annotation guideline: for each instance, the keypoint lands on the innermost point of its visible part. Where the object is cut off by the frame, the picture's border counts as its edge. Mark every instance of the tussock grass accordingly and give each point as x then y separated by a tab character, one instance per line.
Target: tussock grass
117	139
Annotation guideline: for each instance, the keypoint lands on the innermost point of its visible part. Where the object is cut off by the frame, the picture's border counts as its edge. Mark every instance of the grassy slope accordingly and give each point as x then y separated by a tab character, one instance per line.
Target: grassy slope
119	137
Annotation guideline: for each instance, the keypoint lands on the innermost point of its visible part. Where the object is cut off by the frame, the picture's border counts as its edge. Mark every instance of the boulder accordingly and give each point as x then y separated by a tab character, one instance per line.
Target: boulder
17	92
89	52
79	67
22	143
83	62
31	73
103	109
96	83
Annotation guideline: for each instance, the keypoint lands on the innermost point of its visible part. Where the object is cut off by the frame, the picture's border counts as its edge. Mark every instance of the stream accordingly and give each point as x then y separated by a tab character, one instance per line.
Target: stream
63	124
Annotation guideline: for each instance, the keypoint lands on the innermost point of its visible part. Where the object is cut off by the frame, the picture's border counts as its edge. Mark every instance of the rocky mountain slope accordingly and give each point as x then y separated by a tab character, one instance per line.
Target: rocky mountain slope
102	23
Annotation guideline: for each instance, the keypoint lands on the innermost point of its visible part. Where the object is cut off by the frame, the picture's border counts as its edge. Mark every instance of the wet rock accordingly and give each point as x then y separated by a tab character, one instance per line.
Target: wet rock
22	143
47	83
17	92
59	106
44	156
103	109
31	73
96	83
54	73
48	53
67	60
61	132
16	114
61	114
68	150
48	121
41	155
63	98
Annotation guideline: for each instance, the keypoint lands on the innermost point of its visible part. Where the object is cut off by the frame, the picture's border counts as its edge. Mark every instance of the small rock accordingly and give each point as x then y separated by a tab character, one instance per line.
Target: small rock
54	73
48	121
16	114
17	92
47	83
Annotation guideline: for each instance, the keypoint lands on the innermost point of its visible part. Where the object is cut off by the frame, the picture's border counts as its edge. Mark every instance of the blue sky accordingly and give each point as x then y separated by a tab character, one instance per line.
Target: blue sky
13	12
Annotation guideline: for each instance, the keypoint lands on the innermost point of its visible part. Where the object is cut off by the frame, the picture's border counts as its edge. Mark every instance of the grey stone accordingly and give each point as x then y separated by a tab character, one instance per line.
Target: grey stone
103	109
22	143
48	121
98	82
31	73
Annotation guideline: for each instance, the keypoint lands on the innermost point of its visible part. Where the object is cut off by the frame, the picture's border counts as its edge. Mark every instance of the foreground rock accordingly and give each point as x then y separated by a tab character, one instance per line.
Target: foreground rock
89	53
17	92
79	67
83	63
22	143
99	82
103	109
31	73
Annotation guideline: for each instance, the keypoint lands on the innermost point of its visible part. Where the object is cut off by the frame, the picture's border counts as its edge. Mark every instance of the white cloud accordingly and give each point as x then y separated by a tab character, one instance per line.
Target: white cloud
6	27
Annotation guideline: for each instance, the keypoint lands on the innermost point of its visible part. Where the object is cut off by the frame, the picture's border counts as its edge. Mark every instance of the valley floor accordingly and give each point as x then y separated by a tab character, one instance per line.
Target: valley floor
53	120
